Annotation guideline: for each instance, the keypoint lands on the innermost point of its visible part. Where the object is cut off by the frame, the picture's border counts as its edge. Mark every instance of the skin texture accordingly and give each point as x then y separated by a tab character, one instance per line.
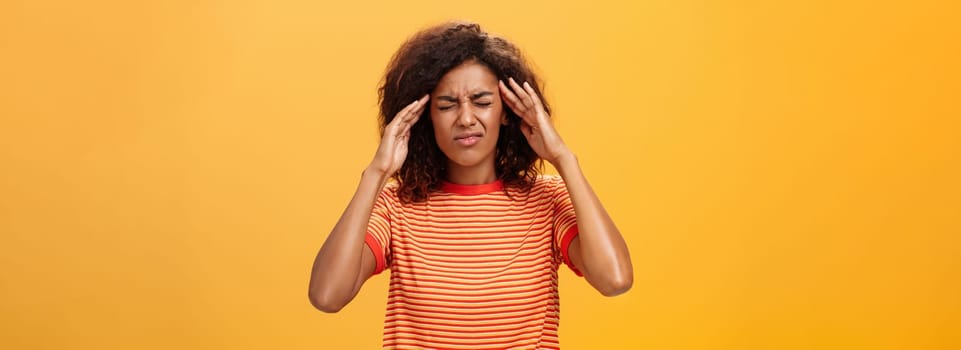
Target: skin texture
469	100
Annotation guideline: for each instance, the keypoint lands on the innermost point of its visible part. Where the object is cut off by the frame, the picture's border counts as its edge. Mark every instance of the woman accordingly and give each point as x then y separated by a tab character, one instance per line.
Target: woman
471	232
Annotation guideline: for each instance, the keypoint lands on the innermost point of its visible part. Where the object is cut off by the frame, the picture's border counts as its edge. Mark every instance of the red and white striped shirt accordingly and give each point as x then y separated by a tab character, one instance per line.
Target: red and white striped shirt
472	267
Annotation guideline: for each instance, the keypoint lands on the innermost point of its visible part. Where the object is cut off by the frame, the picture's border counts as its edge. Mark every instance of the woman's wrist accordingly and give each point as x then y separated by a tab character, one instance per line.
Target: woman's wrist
372	173
565	158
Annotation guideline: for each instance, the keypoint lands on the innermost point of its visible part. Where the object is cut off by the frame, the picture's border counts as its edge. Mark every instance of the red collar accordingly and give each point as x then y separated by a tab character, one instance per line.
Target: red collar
471	189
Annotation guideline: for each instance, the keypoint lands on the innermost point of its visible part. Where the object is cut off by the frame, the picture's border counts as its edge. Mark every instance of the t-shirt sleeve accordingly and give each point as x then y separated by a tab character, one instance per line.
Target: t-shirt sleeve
378	231
565	223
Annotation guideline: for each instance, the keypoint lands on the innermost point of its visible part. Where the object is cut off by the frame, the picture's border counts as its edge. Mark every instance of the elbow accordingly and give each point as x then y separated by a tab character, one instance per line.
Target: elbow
617	284
325	302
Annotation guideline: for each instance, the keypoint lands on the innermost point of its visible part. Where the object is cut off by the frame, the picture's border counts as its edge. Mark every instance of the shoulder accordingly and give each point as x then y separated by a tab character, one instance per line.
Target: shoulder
389	193
544	186
549	183
391	186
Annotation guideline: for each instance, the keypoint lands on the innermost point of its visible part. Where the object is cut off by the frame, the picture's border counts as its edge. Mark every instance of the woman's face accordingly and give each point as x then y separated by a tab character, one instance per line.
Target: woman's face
467	113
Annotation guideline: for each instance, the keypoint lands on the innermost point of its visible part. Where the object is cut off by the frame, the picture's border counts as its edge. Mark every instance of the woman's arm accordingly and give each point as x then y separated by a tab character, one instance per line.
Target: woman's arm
344	263
598	250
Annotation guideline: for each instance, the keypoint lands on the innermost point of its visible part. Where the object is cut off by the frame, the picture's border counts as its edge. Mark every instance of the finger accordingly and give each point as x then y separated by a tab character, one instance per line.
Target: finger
521	94
395	128
531	113
534	97
417	108
512	101
519	108
399	117
526	130
414	115
405	127
407	116
404	135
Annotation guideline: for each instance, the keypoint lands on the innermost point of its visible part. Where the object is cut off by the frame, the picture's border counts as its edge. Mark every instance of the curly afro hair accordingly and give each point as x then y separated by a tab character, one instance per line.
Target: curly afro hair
415	71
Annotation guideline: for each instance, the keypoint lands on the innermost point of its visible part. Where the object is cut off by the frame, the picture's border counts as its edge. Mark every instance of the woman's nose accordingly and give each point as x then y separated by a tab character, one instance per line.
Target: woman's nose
466	117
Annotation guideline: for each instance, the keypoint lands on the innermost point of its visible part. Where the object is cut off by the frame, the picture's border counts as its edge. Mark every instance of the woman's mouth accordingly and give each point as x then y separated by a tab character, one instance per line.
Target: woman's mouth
467	139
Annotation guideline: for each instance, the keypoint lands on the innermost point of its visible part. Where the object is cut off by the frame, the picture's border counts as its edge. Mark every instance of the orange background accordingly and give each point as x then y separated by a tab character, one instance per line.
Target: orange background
786	175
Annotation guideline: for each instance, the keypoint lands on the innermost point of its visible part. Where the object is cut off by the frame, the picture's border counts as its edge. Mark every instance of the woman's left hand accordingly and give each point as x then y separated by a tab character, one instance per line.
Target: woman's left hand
536	123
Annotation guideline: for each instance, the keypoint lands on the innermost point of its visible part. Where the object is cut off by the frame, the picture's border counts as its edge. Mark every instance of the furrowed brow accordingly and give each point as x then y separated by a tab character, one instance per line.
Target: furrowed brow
481	94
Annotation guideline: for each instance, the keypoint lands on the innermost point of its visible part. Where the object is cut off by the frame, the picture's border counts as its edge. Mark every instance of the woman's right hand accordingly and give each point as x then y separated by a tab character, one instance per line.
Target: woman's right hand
393	146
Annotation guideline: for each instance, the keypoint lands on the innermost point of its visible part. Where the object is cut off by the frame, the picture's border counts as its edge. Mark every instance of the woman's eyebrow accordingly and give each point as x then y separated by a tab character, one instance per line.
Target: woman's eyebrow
480	94
472	97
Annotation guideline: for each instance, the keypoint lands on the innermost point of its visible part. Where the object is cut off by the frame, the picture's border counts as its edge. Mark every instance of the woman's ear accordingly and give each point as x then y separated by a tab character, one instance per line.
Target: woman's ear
503	117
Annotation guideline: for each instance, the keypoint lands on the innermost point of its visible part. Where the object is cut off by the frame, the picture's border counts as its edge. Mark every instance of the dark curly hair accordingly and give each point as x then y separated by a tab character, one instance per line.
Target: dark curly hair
415	71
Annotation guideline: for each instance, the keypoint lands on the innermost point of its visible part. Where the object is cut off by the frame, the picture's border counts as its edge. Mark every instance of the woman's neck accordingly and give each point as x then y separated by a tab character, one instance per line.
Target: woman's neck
474	175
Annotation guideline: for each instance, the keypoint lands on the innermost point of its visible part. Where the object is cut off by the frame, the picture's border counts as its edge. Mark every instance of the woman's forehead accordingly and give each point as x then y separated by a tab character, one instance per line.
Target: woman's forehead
467	79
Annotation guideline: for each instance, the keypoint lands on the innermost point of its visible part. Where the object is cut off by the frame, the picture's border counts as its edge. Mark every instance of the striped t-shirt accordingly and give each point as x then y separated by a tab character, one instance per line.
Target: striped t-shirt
472	267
